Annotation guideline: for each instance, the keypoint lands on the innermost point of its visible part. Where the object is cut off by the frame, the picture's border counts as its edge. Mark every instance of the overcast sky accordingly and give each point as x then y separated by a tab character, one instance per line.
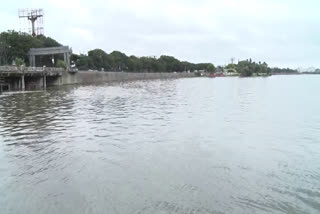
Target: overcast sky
280	32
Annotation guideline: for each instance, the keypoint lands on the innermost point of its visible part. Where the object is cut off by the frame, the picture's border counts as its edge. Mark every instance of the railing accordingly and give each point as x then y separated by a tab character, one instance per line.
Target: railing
8	68
15	69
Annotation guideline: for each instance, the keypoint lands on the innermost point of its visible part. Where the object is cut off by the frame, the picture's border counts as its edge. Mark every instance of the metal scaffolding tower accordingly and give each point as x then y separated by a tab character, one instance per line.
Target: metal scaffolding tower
35	16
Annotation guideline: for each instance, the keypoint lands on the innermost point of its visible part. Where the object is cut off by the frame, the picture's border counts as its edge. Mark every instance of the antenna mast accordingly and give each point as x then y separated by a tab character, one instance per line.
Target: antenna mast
232	60
35	16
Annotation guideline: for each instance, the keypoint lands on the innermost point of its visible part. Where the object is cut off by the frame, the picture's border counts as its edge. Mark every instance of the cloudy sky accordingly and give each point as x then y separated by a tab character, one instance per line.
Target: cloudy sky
280	32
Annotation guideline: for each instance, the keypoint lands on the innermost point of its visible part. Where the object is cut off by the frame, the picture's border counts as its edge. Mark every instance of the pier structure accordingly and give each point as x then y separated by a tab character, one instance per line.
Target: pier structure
21	78
65	50
32	77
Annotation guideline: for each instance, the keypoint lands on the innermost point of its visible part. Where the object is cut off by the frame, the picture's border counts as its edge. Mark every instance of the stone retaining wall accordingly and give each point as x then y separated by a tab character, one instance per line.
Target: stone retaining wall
87	77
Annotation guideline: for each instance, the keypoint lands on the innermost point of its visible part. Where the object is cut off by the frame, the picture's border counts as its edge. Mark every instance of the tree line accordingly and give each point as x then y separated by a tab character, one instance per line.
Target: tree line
249	68
98	59
17	44
284	71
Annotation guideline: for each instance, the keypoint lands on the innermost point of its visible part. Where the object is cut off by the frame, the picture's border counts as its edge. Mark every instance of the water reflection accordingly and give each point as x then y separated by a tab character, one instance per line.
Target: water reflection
198	145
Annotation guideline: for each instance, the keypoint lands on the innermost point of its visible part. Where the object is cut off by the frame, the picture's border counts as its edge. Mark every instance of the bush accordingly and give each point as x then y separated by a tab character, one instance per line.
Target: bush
19	61
61	64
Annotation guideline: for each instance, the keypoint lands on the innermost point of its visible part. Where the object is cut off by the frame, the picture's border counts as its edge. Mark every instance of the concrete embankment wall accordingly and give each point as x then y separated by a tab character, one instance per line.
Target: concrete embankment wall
88	77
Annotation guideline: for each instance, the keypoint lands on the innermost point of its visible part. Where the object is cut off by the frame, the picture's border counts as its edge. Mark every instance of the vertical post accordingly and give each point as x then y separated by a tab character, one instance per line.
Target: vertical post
44	81
33	30
30	61
33	61
1	88
65	57
21	68
18	86
22	83
44	77
68	60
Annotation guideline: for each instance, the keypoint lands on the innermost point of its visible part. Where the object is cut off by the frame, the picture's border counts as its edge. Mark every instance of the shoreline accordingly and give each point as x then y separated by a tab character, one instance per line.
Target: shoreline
13	79
92	77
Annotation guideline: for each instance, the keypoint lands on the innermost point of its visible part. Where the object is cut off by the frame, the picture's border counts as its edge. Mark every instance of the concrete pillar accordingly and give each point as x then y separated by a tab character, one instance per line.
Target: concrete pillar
22	83
68	60
65	58
30	61
17	87
44	81
33	61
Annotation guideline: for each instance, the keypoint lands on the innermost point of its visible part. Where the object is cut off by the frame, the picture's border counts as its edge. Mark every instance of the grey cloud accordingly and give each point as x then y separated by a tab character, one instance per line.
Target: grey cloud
197	31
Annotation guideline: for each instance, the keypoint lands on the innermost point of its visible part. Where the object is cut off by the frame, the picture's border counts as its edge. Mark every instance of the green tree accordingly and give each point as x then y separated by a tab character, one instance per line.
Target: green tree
211	68
83	62
171	64
100	59
61	64
16	44
19	62
119	61
231	66
134	64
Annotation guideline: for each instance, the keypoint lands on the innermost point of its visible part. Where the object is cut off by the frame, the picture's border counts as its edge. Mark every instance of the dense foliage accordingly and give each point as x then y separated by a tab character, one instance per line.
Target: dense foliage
61	64
19	62
16	45
97	59
315	71
248	68
283	71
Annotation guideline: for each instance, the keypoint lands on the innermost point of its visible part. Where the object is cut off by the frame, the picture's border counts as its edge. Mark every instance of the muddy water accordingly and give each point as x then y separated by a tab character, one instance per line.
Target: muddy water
224	145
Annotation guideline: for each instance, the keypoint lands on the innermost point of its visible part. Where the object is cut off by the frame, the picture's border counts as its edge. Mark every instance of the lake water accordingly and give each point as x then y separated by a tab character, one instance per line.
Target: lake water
184	146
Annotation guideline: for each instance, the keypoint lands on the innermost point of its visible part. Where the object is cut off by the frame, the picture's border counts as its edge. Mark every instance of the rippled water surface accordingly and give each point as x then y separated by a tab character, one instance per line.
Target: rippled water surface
187	146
